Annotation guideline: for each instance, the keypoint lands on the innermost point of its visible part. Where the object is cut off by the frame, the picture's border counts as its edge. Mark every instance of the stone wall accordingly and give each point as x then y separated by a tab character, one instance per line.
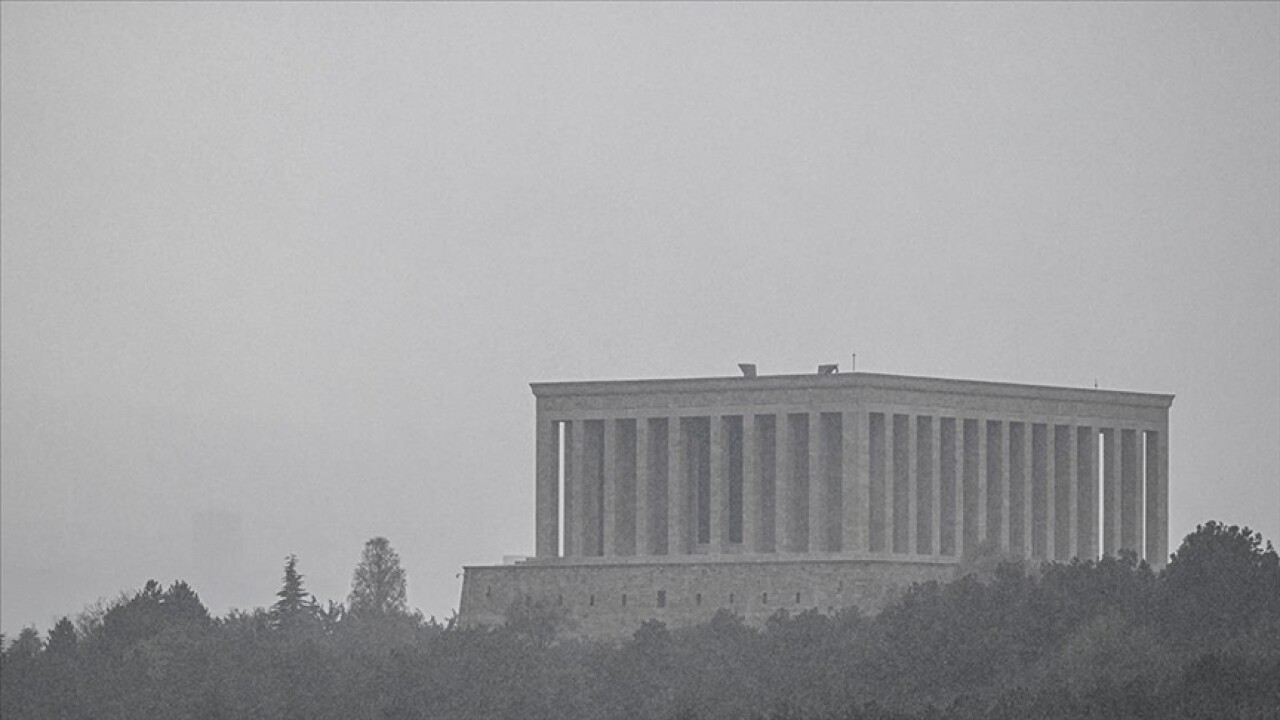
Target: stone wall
611	600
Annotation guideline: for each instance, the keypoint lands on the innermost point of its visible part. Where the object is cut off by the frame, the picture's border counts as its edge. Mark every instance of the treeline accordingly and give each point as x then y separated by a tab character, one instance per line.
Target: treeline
1107	639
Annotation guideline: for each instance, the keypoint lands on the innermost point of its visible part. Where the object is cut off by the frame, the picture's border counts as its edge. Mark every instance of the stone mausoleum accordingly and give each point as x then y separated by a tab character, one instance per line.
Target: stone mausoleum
672	499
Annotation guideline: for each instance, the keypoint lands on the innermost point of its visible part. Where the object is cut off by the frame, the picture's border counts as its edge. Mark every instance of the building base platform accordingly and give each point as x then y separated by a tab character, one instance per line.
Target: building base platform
610	599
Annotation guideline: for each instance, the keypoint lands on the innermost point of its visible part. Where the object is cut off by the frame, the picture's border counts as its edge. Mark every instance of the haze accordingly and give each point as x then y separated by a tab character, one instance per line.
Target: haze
275	278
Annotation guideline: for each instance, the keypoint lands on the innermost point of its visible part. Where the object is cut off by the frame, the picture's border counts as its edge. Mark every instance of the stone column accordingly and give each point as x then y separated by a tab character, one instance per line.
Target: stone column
1006	452
593	487
1111	522
1130	510
993	505
1028	491
1062	471
981	514
818	531
677	491
854	475
547	471
644	519
575	516
1050	490
751	502
1072	476
609	488
1095	513
783	497
719	511
1158	496
957	439
1086	493
913	478
935	485
890	478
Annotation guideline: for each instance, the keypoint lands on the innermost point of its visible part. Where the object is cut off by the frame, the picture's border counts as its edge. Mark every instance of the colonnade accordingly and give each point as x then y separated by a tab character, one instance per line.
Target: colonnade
860	482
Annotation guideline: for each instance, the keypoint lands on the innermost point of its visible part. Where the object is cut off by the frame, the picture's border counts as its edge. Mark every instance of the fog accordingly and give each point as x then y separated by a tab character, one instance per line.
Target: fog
275	278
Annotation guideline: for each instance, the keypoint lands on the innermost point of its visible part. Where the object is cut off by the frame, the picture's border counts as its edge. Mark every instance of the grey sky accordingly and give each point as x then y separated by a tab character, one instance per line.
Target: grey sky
275	277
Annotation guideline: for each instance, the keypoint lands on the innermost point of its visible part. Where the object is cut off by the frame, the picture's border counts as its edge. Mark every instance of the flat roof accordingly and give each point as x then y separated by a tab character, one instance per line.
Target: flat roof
814	381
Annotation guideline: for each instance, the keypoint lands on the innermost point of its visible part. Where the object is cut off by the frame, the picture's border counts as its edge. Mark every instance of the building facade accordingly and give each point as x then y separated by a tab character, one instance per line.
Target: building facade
672	499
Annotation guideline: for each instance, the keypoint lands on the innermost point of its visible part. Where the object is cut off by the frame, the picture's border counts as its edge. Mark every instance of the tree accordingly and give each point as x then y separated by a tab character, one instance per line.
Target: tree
26	646
152	610
295	607
182	605
62	638
1221	581
330	616
378	583
130	620
63	673
22	684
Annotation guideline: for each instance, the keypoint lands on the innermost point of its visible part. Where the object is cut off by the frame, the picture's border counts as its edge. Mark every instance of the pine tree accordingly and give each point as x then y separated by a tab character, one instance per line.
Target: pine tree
295	608
26	646
378	583
62	638
182	604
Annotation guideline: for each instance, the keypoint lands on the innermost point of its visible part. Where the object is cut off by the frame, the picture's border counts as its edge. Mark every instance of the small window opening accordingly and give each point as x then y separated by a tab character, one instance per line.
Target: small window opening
730	598
592	601
841	586
662	598
697	599
797	598
764	598
624	599
528	599
488	591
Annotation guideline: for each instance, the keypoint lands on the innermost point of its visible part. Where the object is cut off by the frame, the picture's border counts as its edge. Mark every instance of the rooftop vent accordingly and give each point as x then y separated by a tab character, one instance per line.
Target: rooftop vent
828	369
748	369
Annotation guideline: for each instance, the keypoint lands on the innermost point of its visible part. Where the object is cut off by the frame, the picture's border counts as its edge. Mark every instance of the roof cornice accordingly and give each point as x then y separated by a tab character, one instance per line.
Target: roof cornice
855	380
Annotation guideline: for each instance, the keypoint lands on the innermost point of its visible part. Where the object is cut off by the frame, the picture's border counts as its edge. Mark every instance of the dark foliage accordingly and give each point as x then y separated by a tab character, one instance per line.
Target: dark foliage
1107	639
294	610
1221	584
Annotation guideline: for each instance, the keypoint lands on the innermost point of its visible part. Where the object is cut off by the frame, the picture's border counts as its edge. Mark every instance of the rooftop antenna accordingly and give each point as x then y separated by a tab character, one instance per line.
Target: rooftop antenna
853	363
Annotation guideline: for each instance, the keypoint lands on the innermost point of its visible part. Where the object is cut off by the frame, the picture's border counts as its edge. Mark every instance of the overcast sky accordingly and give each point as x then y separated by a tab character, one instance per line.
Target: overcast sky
275	278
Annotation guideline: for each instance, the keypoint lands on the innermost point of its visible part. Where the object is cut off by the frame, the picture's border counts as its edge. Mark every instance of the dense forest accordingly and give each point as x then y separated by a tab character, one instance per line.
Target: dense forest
1107	639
